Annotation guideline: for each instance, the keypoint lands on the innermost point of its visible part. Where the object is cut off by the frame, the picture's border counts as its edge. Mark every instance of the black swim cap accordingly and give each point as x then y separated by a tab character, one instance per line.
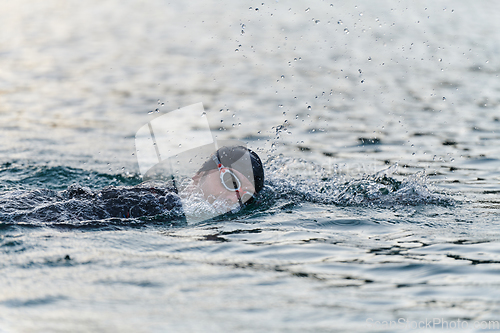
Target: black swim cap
229	156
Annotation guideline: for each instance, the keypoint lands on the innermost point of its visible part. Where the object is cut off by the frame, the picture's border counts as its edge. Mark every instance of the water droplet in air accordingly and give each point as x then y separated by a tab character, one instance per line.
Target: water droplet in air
444	98
346	30
282	76
369	58
280	105
307	9
309	107
340	22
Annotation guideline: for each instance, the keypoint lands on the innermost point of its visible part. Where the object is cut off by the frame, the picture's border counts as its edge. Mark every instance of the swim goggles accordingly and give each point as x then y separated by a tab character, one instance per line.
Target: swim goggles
231	182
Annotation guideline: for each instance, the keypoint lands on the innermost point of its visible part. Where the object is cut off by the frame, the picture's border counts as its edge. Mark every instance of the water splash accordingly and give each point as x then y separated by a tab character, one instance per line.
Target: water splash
288	182
196	206
301	181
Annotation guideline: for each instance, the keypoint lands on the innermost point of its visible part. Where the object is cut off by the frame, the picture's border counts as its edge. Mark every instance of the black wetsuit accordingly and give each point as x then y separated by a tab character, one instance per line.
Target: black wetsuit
80	203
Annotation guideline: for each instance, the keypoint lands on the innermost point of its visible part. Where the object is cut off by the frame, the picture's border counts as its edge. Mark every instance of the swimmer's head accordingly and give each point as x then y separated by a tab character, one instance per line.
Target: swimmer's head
232	173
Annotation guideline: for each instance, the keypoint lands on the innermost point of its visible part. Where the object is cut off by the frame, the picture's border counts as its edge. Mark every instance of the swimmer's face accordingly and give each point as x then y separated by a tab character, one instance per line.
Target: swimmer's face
213	189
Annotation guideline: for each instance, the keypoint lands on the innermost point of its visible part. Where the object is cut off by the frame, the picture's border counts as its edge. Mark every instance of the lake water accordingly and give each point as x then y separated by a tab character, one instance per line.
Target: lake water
378	124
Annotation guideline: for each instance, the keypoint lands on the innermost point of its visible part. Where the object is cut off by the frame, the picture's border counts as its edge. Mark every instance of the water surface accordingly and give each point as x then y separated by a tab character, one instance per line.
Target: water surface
378	124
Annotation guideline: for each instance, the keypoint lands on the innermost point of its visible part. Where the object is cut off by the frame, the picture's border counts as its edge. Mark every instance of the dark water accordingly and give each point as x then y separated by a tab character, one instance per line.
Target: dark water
378	125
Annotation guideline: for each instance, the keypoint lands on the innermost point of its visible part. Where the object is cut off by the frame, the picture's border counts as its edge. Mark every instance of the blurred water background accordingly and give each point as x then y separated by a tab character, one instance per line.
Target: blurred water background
329	93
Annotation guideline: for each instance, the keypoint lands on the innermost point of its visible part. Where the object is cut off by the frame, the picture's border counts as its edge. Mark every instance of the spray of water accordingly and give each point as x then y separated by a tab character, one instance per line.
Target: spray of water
302	181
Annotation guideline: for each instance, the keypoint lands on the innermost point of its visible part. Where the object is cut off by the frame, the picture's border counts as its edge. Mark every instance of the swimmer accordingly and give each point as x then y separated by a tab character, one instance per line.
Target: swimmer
220	179
232	177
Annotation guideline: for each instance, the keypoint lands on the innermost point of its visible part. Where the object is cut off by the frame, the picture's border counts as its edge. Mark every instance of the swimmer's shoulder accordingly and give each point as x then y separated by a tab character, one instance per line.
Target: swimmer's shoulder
159	187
